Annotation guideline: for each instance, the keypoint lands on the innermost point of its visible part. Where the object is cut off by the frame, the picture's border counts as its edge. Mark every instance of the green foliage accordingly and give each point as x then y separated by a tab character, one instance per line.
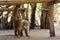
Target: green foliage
56	11
38	9
29	9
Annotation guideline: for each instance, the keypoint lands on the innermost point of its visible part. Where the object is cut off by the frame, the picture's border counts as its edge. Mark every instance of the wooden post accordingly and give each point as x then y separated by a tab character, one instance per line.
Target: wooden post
44	17
33	16
52	31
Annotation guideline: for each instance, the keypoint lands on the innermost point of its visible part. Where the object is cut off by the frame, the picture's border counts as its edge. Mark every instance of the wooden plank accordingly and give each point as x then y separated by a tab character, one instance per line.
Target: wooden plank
12	9
9	2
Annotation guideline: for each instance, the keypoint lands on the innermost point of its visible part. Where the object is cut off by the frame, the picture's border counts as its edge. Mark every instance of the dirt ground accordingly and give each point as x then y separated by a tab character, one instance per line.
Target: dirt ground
36	34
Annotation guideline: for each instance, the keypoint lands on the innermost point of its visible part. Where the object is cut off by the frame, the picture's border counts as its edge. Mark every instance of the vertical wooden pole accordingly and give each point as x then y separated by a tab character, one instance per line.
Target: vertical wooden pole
44	17
52	31
33	16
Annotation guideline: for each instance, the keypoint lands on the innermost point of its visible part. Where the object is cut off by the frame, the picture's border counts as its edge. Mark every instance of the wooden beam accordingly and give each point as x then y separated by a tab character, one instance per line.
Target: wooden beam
12	9
9	2
57	1
32	24
19	9
53	2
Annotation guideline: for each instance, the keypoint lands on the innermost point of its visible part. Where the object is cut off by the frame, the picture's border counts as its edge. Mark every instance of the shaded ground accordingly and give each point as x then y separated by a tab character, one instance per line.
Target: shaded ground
40	34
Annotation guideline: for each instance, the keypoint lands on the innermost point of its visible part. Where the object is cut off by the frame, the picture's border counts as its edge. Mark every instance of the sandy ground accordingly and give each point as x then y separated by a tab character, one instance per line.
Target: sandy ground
40	34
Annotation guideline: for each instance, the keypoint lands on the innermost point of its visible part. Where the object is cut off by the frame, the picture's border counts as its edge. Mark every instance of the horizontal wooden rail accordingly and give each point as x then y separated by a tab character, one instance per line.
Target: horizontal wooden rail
19	9
12	9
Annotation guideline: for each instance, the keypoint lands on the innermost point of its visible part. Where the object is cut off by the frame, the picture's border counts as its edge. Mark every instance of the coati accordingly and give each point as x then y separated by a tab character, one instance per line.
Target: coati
19	27
19	24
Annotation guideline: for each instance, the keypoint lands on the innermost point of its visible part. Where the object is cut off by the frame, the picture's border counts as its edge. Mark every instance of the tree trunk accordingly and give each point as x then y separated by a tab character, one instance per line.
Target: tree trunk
33	16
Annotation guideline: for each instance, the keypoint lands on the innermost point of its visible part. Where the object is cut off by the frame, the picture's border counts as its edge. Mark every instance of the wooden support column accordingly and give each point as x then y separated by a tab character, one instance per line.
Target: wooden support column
52	30
44	17
33	16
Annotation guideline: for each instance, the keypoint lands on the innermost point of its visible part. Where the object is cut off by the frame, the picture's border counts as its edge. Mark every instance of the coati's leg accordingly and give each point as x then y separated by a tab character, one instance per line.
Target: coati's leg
20	31
15	29
26	31
25	26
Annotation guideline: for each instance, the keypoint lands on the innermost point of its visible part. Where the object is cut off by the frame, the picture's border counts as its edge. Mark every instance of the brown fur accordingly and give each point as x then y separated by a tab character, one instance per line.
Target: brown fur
25	27
19	25
16	24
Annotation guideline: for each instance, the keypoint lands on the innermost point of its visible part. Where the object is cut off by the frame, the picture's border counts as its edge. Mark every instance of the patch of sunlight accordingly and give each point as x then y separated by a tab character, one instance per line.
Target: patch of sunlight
10	14
3	6
59	10
58	3
25	5
59	16
11	6
4	13
9	19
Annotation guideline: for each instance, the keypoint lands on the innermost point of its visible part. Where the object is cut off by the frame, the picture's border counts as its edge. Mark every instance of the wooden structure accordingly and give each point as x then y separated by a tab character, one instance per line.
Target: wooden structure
12	9
50	5
9	2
